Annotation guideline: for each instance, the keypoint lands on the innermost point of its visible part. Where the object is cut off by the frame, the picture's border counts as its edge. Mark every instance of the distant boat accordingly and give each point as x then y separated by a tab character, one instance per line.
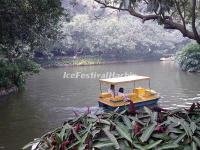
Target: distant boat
167	58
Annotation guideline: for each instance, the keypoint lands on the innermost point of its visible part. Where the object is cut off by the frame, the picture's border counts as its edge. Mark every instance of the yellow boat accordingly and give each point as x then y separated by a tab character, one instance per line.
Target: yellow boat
139	96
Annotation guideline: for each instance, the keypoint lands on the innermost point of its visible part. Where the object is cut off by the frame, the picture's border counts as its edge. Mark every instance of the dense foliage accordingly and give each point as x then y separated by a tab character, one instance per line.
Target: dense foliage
189	57
15	73
172	14
24	26
27	23
117	36
155	129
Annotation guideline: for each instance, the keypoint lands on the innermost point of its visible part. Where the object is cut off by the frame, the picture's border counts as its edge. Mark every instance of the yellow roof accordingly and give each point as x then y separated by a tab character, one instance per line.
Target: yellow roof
125	79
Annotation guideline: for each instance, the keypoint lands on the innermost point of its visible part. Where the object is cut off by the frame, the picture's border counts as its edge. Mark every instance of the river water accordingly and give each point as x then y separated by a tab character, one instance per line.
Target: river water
49	99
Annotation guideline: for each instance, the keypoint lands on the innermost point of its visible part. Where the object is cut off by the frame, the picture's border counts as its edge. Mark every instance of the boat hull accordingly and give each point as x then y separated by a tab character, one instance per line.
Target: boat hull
148	103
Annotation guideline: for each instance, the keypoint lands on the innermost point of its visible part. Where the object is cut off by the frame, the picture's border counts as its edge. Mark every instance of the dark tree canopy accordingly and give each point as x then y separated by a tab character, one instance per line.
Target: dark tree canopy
181	15
24	26
24	23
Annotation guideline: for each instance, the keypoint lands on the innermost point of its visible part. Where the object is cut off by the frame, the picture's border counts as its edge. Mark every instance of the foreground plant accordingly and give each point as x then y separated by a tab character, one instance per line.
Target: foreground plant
153	128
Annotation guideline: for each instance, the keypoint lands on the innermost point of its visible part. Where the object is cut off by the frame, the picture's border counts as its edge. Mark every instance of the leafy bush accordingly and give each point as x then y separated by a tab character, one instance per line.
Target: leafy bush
189	58
151	129
15	73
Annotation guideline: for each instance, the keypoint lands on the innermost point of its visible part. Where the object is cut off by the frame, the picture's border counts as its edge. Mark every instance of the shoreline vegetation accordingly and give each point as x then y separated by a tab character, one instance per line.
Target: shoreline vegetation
7	91
145	129
188	58
85	61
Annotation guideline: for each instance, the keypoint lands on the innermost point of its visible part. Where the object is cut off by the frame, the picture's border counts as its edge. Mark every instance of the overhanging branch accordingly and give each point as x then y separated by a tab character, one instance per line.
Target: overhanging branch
167	20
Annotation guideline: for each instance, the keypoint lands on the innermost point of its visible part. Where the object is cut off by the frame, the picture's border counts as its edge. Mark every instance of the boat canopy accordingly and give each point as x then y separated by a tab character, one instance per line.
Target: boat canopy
125	79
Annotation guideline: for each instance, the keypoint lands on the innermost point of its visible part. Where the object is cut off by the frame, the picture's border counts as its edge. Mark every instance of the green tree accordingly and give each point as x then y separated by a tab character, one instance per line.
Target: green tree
180	15
189	58
26	25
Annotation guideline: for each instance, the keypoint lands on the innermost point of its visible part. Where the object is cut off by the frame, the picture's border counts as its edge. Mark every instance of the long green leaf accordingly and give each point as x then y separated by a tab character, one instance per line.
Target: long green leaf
138	146
64	132
73	144
193	126
127	122
197	140
103	121
103	144
82	145
111	137
153	145
194	146
148	131
124	145
123	131
154	116
162	136
135	119
168	146
186	127
147	110
174	130
31	143
179	138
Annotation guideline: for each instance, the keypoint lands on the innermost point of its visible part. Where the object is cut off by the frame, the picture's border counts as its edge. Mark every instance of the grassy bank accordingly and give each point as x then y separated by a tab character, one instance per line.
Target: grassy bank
83	61
154	129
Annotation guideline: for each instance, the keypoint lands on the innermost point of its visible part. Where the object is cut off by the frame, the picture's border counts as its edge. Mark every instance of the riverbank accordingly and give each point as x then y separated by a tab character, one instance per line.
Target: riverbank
86	61
7	91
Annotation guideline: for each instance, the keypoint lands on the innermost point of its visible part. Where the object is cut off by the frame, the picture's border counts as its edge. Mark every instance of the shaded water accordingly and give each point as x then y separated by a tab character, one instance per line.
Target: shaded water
49	99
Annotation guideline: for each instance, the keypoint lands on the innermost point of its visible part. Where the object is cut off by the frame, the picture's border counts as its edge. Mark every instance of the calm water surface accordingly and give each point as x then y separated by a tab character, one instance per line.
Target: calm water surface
49	99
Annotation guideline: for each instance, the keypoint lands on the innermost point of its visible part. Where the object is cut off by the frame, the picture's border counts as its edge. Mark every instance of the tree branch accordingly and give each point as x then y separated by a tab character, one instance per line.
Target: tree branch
194	20
180	14
167	20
